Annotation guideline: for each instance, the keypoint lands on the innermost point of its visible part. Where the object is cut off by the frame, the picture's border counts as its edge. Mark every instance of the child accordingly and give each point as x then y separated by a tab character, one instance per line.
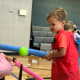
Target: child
69	26
64	51
5	65
72	28
76	34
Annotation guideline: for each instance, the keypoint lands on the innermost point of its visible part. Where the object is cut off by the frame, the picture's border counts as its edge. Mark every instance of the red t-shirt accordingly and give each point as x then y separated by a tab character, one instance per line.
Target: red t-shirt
67	67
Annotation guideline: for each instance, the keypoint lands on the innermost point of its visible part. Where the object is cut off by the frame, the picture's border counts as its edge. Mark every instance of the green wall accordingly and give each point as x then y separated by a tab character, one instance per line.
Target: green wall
41	8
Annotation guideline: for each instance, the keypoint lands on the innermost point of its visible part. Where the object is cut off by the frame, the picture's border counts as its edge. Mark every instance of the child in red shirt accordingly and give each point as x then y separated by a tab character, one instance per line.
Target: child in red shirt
64	50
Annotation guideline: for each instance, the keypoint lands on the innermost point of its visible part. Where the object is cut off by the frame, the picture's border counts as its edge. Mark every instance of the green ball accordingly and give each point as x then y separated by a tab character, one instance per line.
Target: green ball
23	51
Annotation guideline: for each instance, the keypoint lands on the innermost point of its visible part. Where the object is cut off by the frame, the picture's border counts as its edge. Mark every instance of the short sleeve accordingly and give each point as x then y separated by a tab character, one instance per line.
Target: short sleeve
76	36
62	41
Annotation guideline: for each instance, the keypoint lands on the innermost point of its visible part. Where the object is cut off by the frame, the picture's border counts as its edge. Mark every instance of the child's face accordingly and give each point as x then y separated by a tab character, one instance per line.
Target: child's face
55	25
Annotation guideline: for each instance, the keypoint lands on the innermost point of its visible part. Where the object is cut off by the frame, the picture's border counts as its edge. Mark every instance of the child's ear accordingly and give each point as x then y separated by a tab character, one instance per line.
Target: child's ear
63	22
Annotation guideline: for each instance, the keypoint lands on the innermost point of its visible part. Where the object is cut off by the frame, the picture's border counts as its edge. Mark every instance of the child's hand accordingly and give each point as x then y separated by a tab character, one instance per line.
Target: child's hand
9	58
48	56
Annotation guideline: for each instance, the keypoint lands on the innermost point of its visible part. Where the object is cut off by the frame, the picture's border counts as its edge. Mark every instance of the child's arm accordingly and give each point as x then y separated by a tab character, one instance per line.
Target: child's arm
9	58
62	43
76	36
55	54
59	53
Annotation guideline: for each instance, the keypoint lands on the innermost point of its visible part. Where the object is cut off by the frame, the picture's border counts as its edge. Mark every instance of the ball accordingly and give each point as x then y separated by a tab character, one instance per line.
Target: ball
23	51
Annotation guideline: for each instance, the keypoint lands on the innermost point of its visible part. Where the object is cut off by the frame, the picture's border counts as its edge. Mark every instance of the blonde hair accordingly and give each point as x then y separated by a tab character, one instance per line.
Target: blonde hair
74	26
58	13
68	25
